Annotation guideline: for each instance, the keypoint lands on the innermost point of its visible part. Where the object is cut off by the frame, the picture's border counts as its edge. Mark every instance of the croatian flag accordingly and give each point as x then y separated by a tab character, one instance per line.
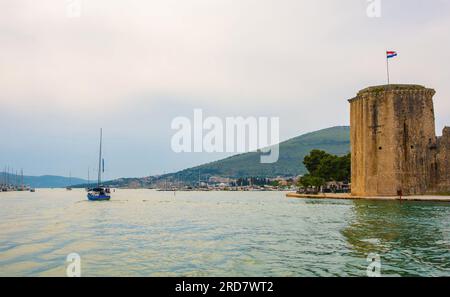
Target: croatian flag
391	54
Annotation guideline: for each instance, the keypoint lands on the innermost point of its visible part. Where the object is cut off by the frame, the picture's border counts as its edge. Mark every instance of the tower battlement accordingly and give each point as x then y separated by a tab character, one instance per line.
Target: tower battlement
392	89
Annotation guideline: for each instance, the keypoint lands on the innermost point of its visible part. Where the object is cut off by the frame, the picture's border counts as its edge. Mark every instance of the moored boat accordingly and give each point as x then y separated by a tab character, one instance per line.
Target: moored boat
100	193
69	188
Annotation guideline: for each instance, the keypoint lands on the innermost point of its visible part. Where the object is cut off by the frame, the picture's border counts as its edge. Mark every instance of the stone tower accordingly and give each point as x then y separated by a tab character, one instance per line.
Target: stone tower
443	160
394	144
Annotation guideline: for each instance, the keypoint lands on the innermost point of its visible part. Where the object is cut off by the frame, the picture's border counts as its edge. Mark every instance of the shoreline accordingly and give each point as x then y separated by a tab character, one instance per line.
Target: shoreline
433	198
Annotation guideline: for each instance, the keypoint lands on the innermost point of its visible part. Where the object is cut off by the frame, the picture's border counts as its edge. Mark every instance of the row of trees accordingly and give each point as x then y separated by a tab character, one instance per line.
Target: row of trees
324	167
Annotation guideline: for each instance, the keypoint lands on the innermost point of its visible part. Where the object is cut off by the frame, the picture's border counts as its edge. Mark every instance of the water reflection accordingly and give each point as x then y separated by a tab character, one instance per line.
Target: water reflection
410	237
150	233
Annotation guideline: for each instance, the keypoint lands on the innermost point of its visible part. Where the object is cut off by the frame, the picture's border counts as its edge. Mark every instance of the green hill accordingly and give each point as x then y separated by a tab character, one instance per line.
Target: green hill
44	181
334	140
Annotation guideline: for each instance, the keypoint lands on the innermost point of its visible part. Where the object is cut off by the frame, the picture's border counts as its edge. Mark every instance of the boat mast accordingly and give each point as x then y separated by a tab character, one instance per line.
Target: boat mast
100	160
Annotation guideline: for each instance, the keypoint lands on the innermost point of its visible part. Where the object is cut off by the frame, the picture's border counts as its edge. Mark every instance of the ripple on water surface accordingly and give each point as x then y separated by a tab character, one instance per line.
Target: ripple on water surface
150	233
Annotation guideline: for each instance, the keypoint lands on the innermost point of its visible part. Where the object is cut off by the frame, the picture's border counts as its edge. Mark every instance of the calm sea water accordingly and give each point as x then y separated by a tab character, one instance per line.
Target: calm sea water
150	233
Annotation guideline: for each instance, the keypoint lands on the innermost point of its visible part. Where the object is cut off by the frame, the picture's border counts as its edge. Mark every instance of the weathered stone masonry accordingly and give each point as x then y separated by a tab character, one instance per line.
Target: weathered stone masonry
394	145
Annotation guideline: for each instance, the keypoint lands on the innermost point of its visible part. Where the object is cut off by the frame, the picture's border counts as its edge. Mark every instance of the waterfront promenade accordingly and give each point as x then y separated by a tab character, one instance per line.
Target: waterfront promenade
349	196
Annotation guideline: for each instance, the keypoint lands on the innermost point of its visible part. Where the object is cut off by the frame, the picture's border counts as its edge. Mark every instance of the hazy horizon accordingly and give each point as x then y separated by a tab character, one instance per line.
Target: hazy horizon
131	67
94	171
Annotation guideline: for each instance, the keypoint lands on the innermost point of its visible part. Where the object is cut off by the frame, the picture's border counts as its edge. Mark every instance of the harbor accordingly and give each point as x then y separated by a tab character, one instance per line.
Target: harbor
13	181
224	140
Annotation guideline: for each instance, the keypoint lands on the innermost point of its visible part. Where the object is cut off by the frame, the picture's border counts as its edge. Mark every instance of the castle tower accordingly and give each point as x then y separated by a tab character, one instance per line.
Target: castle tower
443	157
393	141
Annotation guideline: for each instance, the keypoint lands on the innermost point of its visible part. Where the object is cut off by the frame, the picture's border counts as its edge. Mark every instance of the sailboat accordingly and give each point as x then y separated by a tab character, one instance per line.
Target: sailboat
69	188
99	193
89	181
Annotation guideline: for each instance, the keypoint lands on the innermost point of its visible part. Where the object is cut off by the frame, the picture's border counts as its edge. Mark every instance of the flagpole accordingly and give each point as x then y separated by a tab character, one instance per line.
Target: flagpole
387	67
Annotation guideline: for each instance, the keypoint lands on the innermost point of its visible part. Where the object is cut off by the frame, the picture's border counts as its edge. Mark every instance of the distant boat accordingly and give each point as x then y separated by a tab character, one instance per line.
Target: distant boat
69	188
100	192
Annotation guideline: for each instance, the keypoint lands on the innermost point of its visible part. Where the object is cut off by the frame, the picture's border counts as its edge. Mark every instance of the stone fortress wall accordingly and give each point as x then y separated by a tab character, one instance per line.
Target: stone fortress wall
443	161
393	143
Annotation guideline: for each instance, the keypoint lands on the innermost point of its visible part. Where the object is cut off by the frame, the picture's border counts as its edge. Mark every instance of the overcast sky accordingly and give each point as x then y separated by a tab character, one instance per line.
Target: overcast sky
132	66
